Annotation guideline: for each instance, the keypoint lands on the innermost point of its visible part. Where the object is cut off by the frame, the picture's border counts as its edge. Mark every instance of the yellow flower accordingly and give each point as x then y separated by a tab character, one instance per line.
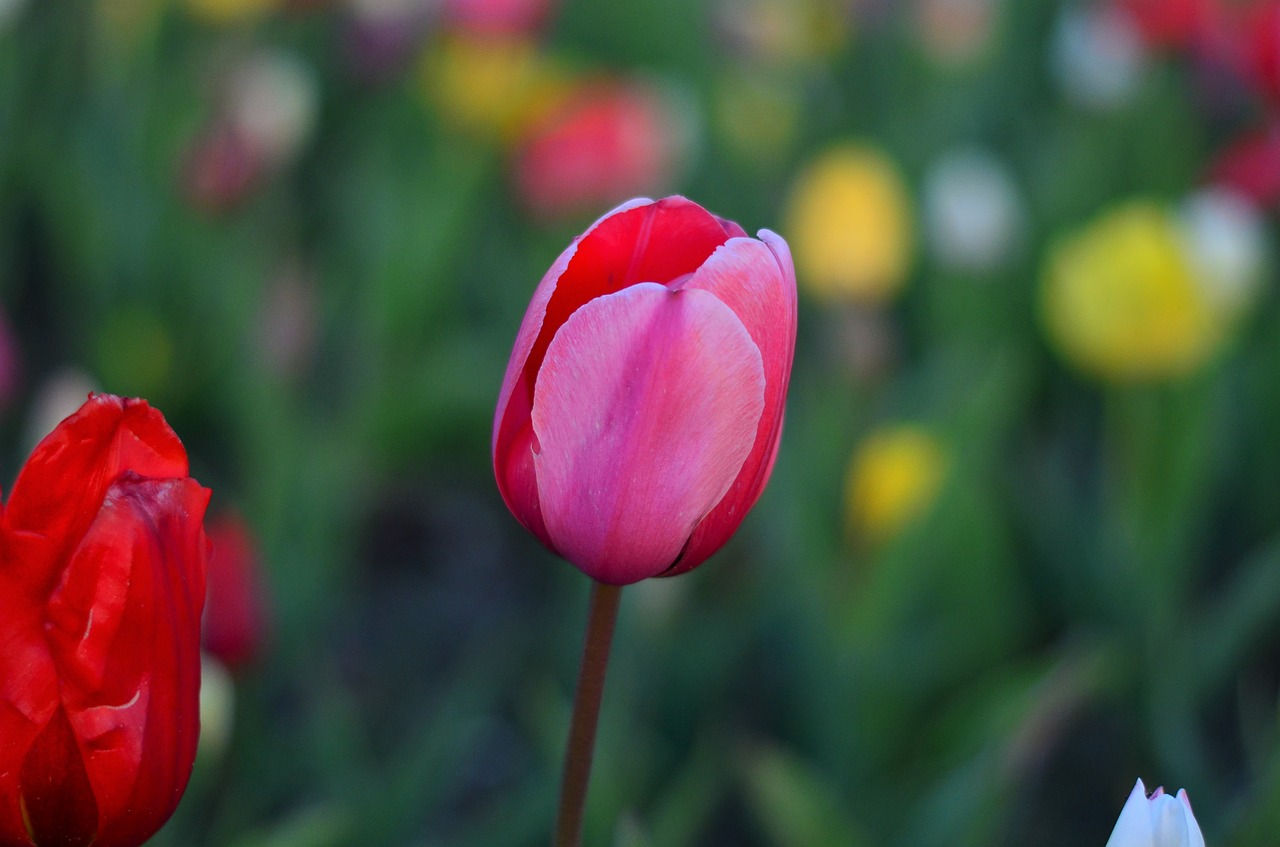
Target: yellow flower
849	223
894	478
784	32
1122	301
231	11
493	86
757	114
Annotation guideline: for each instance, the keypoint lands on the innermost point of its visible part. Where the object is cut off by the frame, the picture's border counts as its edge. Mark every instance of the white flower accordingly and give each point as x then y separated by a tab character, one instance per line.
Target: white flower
1097	56
273	102
1227	242
1156	821
972	211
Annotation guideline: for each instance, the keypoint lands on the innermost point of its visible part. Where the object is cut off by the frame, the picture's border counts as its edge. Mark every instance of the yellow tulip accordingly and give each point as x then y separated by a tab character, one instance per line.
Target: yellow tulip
231	11
849	223
1122	301
893	479
493	86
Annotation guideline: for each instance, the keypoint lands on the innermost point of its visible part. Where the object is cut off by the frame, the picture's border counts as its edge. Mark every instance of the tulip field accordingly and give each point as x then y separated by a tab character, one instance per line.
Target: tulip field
869	409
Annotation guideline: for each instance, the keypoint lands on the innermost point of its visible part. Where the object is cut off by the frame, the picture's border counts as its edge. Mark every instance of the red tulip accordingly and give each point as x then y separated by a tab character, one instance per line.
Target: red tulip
1250	166
605	142
498	16
642	406
1172	23
235	615
1259	41
102	559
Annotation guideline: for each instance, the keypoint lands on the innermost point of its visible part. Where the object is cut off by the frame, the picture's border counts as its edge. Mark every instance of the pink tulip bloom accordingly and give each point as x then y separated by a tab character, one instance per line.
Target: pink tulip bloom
1156	821
642	407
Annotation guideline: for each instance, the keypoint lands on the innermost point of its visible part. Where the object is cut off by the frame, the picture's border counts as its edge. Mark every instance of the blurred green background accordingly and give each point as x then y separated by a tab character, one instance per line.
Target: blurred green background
1022	543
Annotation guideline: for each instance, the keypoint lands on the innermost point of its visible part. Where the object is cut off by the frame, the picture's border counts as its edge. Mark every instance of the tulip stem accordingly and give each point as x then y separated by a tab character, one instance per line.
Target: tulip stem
586	712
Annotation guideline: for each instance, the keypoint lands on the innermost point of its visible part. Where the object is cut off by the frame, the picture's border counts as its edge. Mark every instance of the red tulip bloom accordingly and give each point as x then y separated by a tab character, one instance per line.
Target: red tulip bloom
498	16
1250	166
1259	41
642	406
235	615
1172	23
606	142
102	559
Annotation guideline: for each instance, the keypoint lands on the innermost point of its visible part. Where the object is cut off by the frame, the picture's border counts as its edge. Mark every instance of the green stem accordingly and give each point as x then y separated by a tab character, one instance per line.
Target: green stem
586	712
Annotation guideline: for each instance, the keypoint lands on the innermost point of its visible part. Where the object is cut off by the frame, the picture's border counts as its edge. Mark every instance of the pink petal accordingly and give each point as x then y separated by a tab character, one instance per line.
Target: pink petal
646	406
757	280
640	241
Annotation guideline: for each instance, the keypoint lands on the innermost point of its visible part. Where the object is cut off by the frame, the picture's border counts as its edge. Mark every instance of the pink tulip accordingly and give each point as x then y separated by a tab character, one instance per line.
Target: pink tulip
642	407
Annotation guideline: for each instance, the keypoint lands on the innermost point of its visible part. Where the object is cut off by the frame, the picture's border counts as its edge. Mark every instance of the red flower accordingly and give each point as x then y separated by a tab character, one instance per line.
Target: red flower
607	142
1259	41
1172	23
102	560
498	16
1250	166
642	406
235	615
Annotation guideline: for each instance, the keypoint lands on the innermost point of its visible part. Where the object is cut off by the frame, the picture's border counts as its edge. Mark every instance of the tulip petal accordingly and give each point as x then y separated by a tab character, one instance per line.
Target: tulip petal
1195	838
645	408
512	434
640	241
755	279
57	800
1134	826
59	489
139	718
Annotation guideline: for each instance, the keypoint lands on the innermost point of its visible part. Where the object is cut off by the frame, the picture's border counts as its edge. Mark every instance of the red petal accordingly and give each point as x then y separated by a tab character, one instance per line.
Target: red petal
59	490
646	407
57	801
133	696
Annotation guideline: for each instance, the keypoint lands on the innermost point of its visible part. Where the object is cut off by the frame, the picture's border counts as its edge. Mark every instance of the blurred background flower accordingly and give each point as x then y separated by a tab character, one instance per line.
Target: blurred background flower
605	142
1123	299
849	216
1098	58
974	218
894	478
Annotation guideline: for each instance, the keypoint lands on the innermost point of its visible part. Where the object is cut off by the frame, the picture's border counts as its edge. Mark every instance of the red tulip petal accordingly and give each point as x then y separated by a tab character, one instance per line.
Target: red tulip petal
57	801
646	406
132	691
757	280
61	486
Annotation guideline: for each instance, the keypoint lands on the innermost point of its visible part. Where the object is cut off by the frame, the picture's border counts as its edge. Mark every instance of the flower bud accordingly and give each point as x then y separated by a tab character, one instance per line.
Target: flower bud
1156	821
100	599
642	407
